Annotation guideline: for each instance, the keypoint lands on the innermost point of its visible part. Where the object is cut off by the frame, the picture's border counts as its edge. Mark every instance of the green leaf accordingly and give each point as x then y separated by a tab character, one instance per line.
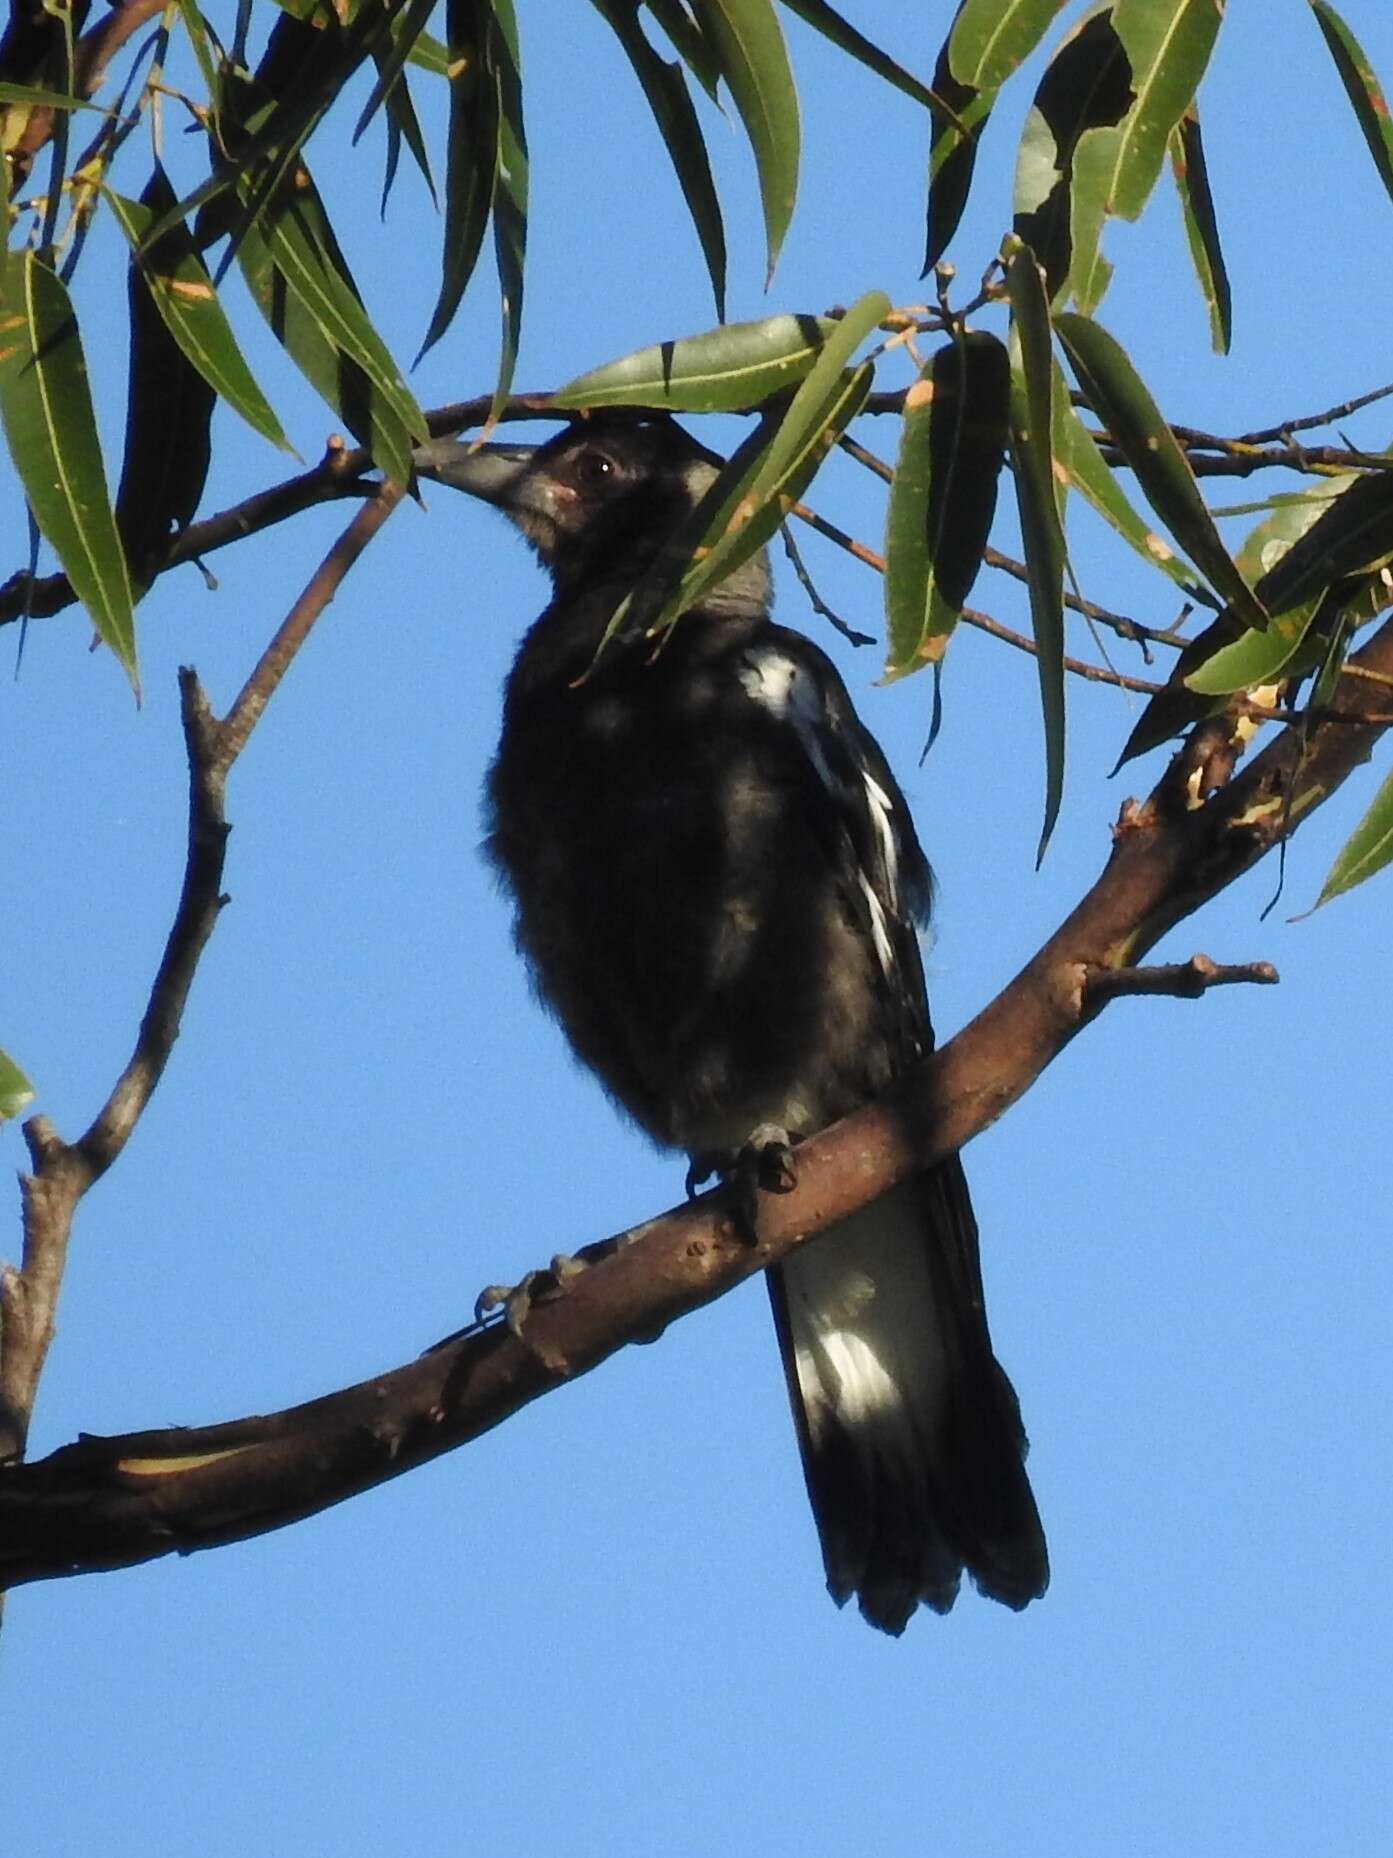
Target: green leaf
407	27
52	435
666	90
1257	658
952	154
16	1092
1087	85
986	42
752	497
509	190
471	162
1077	454
754	63
1352	534
1367	850
267	120
725	370
943	496
1038	502
1191	175
297	275
1335	560
30	96
182	291
689	42
1116	166
1119	397
990	38
1361	87
841	33
403	125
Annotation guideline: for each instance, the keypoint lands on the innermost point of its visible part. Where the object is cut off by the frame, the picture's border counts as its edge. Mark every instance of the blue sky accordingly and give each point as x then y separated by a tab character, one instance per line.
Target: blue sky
603	1628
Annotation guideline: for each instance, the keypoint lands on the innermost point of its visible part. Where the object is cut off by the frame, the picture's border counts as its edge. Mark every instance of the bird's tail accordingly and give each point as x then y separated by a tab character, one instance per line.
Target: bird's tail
911	1435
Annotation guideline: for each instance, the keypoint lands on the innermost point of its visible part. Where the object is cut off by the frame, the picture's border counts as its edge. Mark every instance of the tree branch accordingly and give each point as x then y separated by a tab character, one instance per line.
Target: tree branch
106	1503
63	1172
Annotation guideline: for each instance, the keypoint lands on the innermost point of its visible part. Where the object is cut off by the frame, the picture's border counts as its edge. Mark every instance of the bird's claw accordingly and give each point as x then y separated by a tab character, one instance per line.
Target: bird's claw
764	1164
517	1300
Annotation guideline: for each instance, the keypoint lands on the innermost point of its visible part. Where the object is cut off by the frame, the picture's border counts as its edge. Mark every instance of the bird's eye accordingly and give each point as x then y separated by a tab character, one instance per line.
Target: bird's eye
594	469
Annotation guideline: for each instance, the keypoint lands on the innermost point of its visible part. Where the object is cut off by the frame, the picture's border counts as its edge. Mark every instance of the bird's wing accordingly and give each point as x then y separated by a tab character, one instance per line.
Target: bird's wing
911	1436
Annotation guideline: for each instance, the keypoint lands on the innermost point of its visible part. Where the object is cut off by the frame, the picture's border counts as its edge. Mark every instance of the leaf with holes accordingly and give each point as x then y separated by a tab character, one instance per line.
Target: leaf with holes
986	42
1115	166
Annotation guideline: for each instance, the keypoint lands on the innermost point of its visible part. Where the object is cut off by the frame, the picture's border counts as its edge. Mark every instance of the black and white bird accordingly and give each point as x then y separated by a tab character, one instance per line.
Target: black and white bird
717	887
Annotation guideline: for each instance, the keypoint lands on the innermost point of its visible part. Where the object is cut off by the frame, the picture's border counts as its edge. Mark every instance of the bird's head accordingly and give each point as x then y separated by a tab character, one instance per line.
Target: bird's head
600	500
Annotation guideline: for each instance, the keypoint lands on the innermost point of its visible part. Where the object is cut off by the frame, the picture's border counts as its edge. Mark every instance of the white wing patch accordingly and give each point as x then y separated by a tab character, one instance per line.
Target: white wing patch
782	686
882	813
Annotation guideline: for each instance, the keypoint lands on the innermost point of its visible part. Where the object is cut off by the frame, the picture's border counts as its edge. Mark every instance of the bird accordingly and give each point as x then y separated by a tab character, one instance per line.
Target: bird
718	890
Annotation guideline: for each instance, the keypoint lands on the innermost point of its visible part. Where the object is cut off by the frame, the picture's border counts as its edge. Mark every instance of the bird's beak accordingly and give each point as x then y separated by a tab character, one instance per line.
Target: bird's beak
495	473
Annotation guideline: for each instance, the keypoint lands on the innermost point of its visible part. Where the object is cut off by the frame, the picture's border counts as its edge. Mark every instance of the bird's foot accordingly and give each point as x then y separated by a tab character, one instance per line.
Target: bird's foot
764	1164
518	1300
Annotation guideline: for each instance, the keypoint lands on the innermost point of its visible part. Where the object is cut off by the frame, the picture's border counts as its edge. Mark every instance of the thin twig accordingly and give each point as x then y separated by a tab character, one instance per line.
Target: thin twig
1130	629
1182	980
1095	674
1310	420
815	599
62	1172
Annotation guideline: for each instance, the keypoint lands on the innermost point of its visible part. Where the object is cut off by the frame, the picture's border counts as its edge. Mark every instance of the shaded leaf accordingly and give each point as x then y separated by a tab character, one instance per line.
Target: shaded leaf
767	474
1363	89
1115	166
408	25
1336	559
987	40
403	125
1087	85
297	275
180	288
31	96
169	412
952	154
749	43
666	90
724	370
689	42
52	435
1038	502
943	496
16	1092
841	33
510	190
1367	850
471	161
1120	398
1191	176
266	120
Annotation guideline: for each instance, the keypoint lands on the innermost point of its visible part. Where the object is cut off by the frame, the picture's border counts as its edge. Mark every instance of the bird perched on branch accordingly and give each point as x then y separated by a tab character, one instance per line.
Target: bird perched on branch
717	885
